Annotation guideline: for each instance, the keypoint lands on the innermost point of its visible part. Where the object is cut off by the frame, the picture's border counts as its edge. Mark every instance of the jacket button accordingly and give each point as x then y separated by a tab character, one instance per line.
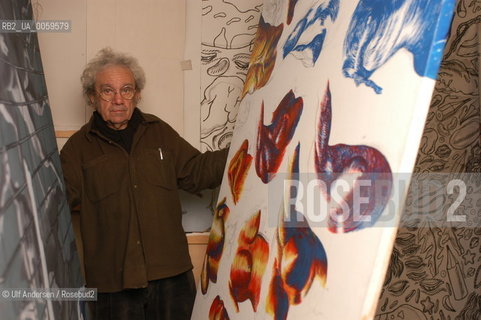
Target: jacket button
135	186
138	242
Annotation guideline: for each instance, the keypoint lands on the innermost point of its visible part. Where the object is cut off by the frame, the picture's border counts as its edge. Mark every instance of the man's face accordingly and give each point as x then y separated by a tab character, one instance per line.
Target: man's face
118	111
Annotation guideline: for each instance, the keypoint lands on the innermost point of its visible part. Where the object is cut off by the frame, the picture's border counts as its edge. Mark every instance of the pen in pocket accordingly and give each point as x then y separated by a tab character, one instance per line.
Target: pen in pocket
161	154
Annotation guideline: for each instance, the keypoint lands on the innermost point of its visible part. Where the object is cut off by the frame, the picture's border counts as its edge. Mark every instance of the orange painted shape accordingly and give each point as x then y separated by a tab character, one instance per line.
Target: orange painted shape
215	246
263	56
238	169
217	310
249	264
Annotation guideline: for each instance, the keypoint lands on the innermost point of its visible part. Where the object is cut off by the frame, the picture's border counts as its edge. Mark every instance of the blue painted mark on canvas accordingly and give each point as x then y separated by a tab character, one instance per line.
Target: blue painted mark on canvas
379	29
309	50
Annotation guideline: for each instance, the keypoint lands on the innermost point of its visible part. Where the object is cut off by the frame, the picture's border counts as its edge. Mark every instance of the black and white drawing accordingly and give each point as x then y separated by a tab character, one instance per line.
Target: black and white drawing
228	29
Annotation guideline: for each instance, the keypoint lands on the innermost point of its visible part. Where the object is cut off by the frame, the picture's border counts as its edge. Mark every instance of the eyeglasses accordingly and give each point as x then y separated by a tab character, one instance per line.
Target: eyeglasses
108	94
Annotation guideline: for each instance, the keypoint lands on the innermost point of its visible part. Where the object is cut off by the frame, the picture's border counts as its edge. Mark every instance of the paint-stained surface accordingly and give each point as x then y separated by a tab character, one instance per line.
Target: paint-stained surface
313	225
379	29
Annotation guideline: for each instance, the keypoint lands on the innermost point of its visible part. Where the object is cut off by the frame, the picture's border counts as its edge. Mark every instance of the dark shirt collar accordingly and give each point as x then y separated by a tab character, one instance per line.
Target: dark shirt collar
122	137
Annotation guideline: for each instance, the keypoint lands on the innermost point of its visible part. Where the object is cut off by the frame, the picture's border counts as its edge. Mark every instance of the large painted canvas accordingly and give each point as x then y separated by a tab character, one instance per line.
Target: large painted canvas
333	108
37	245
435	268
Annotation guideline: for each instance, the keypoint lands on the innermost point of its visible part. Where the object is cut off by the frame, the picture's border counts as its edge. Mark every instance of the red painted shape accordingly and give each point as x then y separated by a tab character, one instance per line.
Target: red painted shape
249	264
360	163
290	11
217	310
273	139
215	246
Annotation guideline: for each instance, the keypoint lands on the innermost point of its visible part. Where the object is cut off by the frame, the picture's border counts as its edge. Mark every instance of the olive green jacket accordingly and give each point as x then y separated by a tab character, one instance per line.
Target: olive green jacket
130	212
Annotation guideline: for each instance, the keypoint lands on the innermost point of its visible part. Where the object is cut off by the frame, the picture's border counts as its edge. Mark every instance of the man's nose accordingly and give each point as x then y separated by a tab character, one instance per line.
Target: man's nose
117	99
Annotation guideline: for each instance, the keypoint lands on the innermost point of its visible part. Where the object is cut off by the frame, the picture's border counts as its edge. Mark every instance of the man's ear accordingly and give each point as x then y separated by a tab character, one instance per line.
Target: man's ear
137	97
92	100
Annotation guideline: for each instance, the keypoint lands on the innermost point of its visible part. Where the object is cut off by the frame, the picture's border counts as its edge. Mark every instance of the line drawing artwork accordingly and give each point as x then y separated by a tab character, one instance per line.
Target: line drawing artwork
379	29
435	268
37	244
228	29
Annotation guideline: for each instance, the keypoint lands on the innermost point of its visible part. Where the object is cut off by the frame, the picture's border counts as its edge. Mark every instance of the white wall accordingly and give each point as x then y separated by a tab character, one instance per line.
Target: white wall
63	57
192	77
151	30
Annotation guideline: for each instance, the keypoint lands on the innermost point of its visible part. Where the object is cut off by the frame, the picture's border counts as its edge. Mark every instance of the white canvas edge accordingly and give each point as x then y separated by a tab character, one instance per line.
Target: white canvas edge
406	166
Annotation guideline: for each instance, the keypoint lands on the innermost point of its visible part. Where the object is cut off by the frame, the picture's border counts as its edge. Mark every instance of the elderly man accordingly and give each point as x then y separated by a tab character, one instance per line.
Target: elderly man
123	170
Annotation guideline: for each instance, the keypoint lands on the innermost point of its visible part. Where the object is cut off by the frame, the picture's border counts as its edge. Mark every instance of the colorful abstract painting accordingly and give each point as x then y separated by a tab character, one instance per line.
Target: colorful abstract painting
37	244
332	112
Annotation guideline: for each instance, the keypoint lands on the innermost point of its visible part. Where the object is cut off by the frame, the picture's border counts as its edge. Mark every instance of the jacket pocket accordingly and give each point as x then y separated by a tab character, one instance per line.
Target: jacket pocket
102	178
156	166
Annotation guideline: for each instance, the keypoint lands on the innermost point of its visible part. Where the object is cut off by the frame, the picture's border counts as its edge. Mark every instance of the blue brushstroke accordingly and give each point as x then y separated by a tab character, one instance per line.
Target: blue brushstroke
328	8
310	251
380	28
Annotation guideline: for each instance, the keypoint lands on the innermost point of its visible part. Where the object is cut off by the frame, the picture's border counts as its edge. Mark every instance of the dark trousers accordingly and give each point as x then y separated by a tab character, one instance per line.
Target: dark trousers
166	299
